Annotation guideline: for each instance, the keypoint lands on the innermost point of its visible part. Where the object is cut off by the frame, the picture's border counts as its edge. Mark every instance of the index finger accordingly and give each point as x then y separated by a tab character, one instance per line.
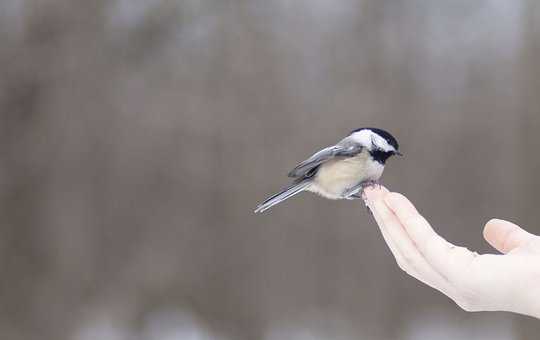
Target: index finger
446	258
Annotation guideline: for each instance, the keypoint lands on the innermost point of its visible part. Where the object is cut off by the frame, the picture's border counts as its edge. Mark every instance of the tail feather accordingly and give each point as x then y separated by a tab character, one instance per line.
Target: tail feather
282	196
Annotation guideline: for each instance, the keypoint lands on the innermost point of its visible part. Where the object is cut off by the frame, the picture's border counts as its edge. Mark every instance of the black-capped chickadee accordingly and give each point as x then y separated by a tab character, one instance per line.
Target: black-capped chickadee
343	170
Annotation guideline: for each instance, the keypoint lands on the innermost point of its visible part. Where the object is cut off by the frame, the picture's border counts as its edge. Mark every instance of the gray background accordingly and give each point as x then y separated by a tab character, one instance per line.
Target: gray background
137	136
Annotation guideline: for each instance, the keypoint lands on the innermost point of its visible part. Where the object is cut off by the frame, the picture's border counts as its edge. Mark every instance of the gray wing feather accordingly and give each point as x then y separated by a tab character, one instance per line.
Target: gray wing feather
342	149
296	188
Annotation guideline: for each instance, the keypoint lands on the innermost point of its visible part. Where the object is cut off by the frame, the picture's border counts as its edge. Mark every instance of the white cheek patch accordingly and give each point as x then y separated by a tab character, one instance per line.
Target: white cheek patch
363	137
367	138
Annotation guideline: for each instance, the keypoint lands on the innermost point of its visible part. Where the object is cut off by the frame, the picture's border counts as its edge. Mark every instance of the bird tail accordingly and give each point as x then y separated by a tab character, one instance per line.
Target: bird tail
281	196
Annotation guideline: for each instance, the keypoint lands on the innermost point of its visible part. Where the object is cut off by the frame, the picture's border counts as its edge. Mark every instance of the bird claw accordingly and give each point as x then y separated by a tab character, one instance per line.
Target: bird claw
370	183
357	192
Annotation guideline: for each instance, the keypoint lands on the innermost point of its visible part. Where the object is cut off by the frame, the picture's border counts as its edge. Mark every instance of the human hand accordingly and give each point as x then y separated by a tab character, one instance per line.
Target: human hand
489	282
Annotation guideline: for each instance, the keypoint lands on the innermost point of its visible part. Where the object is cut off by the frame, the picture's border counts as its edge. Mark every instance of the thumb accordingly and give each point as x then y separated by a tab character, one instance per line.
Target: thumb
505	236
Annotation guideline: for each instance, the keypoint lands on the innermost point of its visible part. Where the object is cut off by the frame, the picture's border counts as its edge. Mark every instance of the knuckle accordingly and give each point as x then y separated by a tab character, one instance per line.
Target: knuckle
401	265
468	300
407	258
465	305
405	267
469	306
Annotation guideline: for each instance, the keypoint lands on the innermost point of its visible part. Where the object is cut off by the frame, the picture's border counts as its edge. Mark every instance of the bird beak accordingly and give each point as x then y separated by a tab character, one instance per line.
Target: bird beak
398	153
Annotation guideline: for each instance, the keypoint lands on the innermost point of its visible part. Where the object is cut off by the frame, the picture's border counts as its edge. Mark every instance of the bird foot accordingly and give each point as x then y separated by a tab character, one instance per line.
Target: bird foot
370	183
357	192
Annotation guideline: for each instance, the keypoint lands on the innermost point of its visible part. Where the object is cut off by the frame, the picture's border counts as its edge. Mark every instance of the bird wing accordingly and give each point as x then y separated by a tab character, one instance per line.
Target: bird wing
342	149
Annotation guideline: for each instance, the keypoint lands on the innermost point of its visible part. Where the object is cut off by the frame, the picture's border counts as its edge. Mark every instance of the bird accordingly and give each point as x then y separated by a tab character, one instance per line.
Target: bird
343	170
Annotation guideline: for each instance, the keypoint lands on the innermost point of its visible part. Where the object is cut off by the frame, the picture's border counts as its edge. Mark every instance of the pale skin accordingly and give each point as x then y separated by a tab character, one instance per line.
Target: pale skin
509	281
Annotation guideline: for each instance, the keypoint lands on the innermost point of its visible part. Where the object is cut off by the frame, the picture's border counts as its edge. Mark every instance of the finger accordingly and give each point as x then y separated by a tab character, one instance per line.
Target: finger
408	257
506	236
447	259
373	194
378	193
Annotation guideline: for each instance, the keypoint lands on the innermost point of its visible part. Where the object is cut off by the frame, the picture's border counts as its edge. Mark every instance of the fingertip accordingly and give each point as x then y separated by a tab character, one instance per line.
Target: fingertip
375	192
503	235
495	227
497	220
490	229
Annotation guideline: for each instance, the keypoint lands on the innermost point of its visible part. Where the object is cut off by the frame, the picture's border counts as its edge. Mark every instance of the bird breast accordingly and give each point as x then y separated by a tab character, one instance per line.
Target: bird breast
340	174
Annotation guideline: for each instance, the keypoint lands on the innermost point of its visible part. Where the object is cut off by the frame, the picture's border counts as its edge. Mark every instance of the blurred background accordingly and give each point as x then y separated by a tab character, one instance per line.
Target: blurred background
137	136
